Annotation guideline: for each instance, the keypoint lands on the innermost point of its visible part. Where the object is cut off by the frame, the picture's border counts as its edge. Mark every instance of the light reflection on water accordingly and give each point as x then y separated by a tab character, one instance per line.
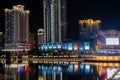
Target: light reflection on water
60	71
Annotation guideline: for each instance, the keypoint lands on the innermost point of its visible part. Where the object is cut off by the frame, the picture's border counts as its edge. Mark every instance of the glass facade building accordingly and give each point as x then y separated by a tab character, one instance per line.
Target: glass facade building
16	26
54	20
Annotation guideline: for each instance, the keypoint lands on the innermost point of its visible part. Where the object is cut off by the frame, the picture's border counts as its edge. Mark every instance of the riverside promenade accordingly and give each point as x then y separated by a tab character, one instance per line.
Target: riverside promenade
80	58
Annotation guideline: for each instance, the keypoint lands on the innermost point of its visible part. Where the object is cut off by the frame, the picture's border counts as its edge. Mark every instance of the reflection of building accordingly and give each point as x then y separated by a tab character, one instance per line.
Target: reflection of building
16	27
54	20
15	72
40	35
108	41
102	72
50	72
89	30
51	76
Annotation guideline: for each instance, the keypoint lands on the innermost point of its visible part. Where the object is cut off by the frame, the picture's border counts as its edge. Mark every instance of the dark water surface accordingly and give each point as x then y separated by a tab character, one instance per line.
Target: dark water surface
60	71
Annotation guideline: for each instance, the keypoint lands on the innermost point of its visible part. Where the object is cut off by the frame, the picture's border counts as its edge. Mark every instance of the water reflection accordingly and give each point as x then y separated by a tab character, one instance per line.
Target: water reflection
16	72
60	71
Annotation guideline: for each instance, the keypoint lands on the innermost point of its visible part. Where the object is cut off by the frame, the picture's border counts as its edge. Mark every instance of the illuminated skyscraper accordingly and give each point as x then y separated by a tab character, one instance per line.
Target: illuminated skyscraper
16	26
89	30
88	27
54	20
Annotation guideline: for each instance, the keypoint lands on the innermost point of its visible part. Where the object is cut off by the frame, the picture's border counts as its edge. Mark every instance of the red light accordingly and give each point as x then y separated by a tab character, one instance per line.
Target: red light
25	68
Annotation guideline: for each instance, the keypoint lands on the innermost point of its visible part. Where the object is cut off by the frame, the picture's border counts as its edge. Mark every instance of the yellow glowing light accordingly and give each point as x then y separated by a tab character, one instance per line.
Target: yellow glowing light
104	57
90	21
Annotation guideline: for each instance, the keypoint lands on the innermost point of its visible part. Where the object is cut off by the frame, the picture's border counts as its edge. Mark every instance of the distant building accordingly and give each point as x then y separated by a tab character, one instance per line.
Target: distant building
32	40
2	40
16	27
89	30
40	35
54	20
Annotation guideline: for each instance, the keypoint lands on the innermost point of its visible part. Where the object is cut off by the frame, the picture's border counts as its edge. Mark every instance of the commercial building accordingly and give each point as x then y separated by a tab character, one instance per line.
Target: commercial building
54	20
108	41
70	46
16	27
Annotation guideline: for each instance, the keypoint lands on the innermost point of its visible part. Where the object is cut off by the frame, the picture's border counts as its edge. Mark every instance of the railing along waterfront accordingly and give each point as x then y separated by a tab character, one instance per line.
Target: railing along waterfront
104	58
47	58
87	57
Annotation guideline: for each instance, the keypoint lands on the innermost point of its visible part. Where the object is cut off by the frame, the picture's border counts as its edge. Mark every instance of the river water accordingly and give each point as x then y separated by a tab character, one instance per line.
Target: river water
59	71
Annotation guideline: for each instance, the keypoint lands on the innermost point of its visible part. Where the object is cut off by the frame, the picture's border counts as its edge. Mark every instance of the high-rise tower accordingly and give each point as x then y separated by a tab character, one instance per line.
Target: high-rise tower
54	20
89	30
16	27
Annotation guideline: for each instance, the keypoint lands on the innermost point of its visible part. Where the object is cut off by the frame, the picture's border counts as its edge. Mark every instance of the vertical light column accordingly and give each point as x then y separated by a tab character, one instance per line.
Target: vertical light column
44	75
59	20
15	24
18	30
61	75
15	75
54	76
6	74
27	25
18	76
52	37
27	75
44	23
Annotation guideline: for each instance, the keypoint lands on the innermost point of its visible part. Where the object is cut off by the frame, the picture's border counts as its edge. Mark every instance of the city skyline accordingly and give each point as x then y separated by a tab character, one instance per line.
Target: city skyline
107	12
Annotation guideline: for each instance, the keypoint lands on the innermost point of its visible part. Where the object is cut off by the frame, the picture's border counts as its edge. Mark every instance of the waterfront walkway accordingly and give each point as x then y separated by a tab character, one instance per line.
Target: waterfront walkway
50	59
80	58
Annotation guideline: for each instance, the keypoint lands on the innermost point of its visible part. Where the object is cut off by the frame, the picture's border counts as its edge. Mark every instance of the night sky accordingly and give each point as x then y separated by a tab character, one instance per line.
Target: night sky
106	10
